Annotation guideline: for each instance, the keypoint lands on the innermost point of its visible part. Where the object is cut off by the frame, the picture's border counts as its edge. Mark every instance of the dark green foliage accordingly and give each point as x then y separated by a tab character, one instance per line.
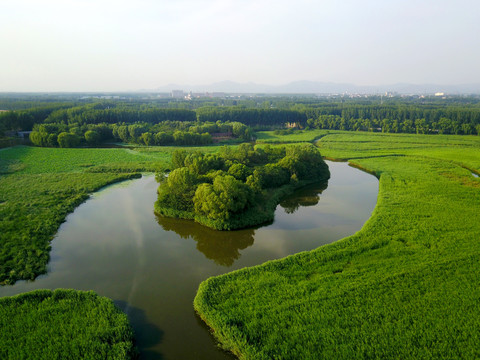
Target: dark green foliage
240	171
271	176
460	115
162	138
26	118
250	117
68	140
222	199
178	190
245	154
135	130
63	324
178	158
235	198
168	133
147	138
92	137
201	163
117	112
303	162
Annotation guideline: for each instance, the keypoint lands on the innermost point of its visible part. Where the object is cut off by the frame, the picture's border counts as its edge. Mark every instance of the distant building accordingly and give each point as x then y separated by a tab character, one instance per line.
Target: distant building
178	94
23	134
217	137
439	94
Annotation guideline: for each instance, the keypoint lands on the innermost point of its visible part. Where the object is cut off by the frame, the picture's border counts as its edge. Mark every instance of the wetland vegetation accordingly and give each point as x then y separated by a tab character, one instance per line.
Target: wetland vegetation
151	266
64	324
405	286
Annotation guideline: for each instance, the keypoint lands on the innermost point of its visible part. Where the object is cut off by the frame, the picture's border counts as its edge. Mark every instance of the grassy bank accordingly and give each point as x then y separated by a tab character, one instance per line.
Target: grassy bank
63	324
406	286
39	187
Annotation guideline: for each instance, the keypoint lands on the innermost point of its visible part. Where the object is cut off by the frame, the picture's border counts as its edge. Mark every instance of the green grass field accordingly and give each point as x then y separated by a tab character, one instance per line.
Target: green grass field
63	324
297	136
406	286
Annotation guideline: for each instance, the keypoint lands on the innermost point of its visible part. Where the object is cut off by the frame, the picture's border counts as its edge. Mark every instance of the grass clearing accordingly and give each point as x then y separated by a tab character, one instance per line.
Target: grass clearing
406	286
297	136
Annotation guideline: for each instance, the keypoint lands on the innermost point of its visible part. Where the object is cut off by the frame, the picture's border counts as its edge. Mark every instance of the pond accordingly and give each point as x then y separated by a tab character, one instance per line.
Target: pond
151	267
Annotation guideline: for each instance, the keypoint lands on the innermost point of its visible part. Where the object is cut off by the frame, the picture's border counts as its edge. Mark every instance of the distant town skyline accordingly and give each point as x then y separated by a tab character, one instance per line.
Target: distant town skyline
106	45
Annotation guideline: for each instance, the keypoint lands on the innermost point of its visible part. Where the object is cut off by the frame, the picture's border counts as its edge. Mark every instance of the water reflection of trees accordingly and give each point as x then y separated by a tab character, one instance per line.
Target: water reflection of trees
220	246
307	196
224	247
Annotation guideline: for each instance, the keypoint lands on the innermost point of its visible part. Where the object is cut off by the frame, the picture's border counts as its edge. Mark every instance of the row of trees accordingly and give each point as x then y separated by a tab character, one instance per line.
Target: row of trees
434	117
168	133
24	120
386	118
222	187
262	118
117	112
420	126
61	135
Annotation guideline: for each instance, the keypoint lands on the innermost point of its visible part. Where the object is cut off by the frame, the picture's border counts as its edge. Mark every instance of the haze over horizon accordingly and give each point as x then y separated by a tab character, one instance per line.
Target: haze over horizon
106	45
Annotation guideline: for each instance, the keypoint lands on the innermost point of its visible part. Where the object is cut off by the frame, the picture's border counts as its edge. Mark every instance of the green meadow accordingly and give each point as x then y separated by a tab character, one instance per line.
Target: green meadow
406	286
292	136
63	324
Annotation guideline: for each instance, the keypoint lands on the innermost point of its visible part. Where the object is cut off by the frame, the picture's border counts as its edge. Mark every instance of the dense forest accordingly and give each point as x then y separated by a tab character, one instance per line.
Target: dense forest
237	187
70	122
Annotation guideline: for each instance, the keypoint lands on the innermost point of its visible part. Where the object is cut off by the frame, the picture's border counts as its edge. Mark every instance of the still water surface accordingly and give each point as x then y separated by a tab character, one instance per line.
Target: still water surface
151	267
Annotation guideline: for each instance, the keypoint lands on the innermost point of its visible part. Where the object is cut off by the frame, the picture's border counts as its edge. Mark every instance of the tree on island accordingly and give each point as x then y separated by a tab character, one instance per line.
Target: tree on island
236	188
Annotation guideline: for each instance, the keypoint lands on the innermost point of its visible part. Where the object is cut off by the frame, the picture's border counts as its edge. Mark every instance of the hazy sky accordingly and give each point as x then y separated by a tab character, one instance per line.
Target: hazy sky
103	45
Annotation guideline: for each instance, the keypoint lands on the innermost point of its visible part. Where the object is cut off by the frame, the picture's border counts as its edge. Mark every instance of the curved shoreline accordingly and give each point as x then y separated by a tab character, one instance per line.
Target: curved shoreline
341	268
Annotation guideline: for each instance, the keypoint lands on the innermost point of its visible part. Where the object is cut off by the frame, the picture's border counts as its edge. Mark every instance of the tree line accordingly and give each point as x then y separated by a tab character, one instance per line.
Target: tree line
408	117
166	133
396	119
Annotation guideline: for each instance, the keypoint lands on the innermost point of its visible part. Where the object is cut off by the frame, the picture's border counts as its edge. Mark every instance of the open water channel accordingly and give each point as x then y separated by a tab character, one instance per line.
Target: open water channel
151	267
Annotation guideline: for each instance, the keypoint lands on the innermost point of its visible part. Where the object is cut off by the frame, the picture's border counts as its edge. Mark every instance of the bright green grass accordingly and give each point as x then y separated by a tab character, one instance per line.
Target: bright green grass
406	286
297	136
63	324
37	160
40	186
464	150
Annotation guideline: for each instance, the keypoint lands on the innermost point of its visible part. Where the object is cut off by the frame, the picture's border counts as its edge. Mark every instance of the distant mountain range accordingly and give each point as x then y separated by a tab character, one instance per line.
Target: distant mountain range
314	87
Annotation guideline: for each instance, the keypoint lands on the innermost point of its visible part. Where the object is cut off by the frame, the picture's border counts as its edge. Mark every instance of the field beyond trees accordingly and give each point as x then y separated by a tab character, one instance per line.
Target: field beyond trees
406	286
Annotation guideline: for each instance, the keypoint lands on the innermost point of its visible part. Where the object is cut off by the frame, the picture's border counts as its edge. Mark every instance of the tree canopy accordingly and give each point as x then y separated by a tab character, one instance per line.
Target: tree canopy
229	189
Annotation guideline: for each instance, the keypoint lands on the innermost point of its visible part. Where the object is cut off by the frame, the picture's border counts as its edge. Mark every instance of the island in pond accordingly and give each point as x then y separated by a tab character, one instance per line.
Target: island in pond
236	187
